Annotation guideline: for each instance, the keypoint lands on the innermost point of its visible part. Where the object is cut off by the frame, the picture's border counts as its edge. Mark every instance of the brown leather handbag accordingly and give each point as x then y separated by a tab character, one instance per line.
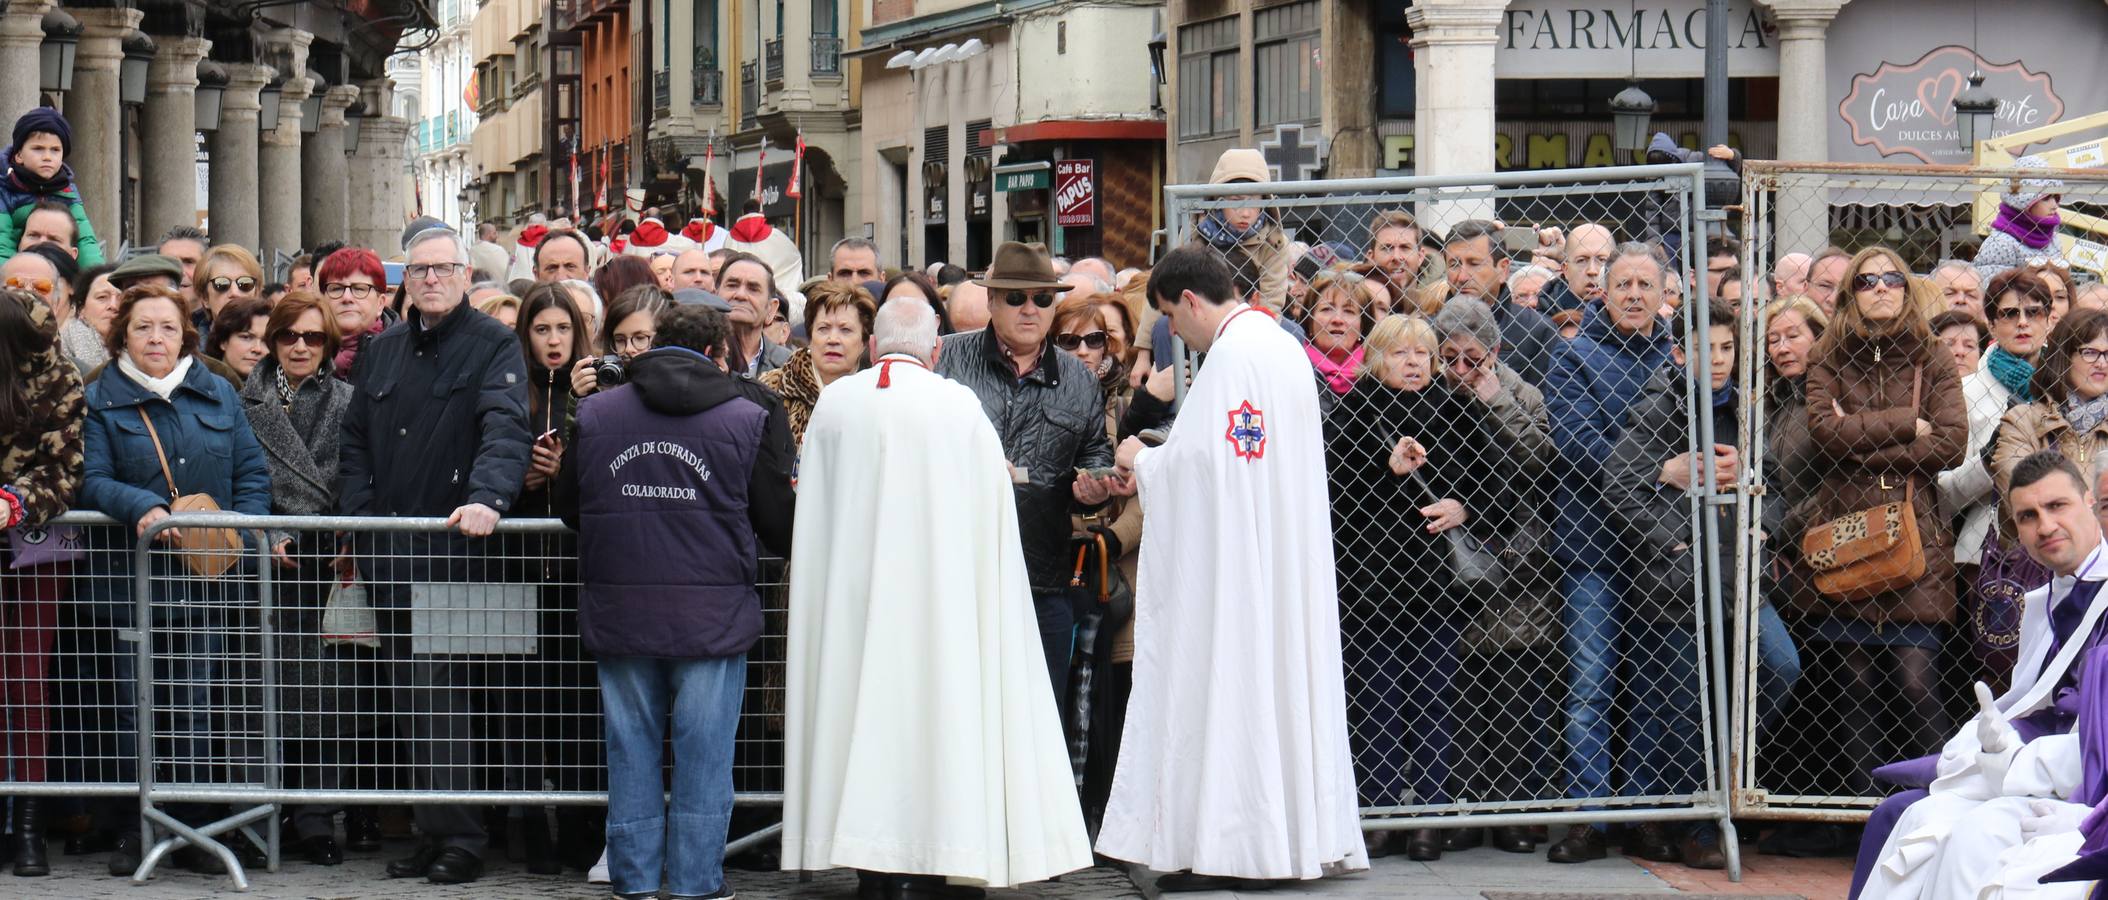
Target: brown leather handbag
1873	551
209	552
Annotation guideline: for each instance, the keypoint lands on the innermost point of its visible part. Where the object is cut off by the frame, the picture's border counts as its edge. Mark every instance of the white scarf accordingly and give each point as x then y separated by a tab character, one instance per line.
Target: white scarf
161	387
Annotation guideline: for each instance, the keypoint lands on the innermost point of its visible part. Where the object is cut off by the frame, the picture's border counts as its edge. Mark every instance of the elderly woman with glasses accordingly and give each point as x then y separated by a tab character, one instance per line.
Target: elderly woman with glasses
354	285
296	411
225	273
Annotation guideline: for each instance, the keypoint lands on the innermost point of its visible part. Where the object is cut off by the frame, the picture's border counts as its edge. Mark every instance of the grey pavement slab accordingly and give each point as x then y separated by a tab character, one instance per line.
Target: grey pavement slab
1470	875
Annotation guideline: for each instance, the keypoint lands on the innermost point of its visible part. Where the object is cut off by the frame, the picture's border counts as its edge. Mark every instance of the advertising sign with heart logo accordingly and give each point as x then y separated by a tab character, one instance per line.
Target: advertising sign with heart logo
1907	110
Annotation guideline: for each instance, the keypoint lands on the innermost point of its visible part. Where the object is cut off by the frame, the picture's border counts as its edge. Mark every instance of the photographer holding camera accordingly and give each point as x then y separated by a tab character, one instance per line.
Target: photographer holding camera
671	479
626	333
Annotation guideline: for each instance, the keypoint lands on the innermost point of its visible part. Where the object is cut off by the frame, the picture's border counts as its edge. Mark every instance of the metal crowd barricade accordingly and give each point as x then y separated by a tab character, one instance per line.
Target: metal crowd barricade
447	672
1507	740
1805	755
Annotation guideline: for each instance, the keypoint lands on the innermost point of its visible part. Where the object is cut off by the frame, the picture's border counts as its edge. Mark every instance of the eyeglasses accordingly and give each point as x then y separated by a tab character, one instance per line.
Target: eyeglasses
633	343
1094	340
1041	299
2093	356
1329	277
314	339
420	271
1463	362
2020	312
359	291
222	283
1866	281
40	285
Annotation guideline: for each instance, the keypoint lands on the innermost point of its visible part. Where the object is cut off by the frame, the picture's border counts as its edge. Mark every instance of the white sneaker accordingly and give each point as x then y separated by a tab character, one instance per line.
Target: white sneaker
598	874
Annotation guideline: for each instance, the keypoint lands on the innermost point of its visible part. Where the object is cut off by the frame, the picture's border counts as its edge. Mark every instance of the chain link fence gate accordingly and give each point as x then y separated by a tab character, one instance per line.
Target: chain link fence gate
1887	678
1579	683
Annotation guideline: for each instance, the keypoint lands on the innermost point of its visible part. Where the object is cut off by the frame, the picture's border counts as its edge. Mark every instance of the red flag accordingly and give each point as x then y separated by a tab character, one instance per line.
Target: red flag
797	170
709	161
761	166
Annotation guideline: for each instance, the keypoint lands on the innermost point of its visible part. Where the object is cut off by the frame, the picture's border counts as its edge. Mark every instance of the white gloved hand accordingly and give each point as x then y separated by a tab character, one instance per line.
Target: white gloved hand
2047	817
1995	737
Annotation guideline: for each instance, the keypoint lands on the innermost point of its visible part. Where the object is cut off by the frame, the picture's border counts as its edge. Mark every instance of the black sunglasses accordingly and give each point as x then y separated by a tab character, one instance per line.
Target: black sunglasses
222	283
2011	312
1094	340
310	338
1866	281
1043	299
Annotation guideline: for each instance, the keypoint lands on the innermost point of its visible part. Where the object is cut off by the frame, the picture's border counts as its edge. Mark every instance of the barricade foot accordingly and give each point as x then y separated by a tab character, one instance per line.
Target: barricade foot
750	841
184	835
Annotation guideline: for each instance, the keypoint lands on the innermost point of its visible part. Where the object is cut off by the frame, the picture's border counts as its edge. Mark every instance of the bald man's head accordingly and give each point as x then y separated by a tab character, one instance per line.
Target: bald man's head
968	306
1588	252
1790	277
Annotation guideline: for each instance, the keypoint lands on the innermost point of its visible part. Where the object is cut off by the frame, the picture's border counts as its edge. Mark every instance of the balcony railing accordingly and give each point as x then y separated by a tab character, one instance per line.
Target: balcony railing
749	92
662	90
826	54
709	87
773	52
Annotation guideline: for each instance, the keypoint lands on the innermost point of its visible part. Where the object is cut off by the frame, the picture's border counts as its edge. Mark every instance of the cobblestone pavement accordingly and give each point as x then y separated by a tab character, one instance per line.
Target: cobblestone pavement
1470	875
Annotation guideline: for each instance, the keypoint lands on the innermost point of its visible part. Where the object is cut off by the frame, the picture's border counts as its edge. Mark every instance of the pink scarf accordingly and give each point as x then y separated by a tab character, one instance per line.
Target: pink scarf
1338	375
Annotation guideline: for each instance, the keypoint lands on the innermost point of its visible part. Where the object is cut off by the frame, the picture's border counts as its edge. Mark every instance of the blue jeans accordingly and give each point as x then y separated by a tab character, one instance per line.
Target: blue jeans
1590	618
1401	692
1666	755
1778	665
687	842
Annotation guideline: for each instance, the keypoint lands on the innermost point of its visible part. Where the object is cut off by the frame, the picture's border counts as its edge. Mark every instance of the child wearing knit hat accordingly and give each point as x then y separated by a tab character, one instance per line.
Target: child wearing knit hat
35	170
2026	227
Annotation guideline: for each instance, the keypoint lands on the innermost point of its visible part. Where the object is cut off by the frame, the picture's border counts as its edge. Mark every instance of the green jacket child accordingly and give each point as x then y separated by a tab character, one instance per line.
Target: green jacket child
36	170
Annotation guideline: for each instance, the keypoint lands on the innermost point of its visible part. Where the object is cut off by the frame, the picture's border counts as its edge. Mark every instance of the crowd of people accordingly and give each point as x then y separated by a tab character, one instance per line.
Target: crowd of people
1506	434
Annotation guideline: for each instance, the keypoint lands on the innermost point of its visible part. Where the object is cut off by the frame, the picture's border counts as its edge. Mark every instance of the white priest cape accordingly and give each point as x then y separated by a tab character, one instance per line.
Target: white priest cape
1948	845
1235	761
920	737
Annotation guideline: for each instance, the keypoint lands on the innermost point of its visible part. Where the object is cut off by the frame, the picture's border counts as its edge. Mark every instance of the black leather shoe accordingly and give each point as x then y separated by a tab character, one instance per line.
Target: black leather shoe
1650	842
321	851
90	842
1424	845
416	865
362	831
1583	843
1179	882
30	858
1378	843
124	855
200	860
1514	839
542	858
454	866
1455	839
1700	849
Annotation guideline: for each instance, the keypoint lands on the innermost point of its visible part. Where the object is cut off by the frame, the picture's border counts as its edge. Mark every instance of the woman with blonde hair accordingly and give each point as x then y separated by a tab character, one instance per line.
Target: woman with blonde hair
1408	461
502	307
225	273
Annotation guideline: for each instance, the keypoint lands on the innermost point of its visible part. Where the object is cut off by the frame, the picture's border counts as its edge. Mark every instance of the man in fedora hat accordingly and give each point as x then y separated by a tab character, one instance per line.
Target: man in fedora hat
1049	412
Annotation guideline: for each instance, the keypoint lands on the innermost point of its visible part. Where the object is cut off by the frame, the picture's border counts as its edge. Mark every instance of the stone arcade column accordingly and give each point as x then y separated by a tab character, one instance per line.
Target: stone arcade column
1453	43
325	210
96	112
1801	215
280	189
380	169
21	33
168	135
233	186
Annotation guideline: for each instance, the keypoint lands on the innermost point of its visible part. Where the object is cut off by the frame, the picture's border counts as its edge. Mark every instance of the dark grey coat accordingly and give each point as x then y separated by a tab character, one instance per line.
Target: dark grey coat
300	446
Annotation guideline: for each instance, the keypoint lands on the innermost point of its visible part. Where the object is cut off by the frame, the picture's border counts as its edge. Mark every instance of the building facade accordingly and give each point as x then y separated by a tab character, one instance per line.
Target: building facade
510	47
445	111
1031	121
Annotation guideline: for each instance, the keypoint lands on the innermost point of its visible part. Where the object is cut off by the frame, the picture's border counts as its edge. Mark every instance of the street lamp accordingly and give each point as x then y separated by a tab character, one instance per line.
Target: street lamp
353	116
311	108
212	86
131	73
62	37
267	101
1974	109
1630	112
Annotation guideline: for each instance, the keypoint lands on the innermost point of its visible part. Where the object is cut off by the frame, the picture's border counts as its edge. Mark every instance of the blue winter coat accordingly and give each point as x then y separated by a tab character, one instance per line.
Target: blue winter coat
210	449
1588	393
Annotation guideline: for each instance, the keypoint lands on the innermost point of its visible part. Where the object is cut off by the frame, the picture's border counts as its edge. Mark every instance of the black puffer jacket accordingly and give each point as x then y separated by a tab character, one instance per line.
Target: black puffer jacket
1653	520
1052	422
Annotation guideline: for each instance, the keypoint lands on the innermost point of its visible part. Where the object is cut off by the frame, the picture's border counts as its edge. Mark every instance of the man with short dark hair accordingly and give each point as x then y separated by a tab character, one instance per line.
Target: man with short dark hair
1826	274
1723	257
854	260
669	631
1477	263
1213	564
50	221
437	426
562	256
746	284
1395	249
186	245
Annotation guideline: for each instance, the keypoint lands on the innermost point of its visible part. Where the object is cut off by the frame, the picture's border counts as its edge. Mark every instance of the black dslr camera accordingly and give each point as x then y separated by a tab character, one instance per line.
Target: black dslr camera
611	370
